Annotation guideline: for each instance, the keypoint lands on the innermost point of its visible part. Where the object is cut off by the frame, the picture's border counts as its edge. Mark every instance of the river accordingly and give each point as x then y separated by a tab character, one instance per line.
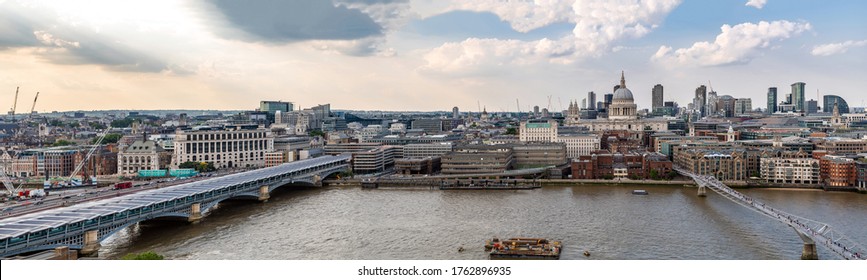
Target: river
608	221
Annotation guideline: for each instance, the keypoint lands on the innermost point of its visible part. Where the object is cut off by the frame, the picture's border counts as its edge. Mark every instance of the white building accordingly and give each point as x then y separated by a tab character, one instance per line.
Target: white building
790	170
142	155
579	144
226	147
538	131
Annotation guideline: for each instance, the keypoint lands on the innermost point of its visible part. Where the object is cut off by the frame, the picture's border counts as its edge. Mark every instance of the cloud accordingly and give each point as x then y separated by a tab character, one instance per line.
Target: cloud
598	24
737	44
276	21
43	32
836	48
351	27
758	4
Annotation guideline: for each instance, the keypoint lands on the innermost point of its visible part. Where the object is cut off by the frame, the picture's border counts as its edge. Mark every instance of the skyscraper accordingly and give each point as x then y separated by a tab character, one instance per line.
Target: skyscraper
812	106
591	100
701	98
657	97
712	102
455	113
798	96
828	104
772	100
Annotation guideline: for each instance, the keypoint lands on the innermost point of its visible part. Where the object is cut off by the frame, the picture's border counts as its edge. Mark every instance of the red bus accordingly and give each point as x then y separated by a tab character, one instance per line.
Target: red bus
123	185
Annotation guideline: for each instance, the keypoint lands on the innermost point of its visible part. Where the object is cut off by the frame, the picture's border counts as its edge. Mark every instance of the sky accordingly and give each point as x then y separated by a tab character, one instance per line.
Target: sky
421	55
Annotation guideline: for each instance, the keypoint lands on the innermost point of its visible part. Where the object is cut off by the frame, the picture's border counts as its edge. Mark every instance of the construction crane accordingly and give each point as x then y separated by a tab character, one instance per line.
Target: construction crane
13	191
69	181
32	108
519	105
14	104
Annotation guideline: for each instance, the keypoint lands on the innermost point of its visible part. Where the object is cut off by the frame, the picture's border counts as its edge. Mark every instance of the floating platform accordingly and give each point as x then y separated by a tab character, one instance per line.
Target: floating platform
523	248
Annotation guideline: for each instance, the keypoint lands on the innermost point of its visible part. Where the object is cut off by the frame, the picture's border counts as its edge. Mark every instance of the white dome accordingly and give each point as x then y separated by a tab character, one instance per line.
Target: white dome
623	94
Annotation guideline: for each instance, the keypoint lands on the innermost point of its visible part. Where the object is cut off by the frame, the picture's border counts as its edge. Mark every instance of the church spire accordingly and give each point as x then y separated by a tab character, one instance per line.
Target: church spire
622	80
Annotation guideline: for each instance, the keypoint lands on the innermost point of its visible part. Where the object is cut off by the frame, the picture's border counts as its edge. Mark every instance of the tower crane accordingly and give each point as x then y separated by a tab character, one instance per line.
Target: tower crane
32	108
69	181
14	104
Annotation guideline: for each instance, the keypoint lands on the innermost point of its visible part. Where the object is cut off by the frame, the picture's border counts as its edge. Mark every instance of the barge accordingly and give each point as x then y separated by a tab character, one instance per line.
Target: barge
523	248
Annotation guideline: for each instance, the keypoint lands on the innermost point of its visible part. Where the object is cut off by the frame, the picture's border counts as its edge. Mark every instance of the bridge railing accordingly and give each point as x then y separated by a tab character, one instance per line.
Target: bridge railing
809	230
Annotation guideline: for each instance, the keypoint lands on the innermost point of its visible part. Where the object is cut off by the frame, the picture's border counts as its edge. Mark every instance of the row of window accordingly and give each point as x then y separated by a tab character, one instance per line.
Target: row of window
225	136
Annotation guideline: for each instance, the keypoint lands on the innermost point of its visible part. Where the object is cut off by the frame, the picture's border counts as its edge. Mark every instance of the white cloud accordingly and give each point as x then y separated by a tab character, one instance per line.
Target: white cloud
758	4
49	40
598	24
836	48
735	44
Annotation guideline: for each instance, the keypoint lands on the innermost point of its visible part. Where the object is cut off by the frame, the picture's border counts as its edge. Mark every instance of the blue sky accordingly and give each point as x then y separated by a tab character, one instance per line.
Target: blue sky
421	54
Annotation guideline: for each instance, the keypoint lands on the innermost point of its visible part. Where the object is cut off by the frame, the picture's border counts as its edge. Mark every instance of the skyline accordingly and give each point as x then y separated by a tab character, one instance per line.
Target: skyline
396	55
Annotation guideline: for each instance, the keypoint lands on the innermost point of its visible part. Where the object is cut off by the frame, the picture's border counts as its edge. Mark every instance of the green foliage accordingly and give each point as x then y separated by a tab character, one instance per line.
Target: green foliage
654	175
149	255
96	125
671	174
55	123
608	177
198	166
73	124
314	133
109	138
122	123
511	131
62	142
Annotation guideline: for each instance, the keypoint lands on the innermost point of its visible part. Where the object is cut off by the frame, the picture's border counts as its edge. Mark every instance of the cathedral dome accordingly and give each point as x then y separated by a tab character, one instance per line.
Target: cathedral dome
623	94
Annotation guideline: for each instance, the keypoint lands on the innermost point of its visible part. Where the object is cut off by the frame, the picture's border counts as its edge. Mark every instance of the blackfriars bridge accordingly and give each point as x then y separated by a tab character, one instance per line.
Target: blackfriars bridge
84	226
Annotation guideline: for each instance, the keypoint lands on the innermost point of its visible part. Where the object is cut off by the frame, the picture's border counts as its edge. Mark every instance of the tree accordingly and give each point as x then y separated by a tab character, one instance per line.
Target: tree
55	123
96	125
62	142
314	133
654	175
149	255
671	174
198	166
73	124
109	138
122	122
511	131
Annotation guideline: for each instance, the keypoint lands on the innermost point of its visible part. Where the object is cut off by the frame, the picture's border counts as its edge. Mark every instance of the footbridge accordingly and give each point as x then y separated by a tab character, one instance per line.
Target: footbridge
810	231
85	225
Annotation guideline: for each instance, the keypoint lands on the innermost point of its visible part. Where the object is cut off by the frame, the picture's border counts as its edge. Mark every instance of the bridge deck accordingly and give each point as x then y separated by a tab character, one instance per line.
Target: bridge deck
76	214
809	230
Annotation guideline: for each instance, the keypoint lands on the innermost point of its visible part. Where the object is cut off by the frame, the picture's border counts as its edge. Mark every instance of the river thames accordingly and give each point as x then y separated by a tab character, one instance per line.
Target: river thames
608	221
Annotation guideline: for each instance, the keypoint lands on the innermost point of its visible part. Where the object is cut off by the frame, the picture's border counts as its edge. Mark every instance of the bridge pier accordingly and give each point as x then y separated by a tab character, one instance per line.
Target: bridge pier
195	213
702	191
317	180
264	195
91	243
809	252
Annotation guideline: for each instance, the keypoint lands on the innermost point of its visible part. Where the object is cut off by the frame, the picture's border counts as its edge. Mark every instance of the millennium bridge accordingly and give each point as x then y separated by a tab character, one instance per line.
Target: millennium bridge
84	226
810	231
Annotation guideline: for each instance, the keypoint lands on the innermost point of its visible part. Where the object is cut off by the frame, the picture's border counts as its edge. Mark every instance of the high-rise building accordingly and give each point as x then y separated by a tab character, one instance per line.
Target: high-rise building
828	104
591	100
608	99
812	106
743	106
798	96
726	105
772	100
535	111
455	113
712	102
701	100
583	103
657	97
273	106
